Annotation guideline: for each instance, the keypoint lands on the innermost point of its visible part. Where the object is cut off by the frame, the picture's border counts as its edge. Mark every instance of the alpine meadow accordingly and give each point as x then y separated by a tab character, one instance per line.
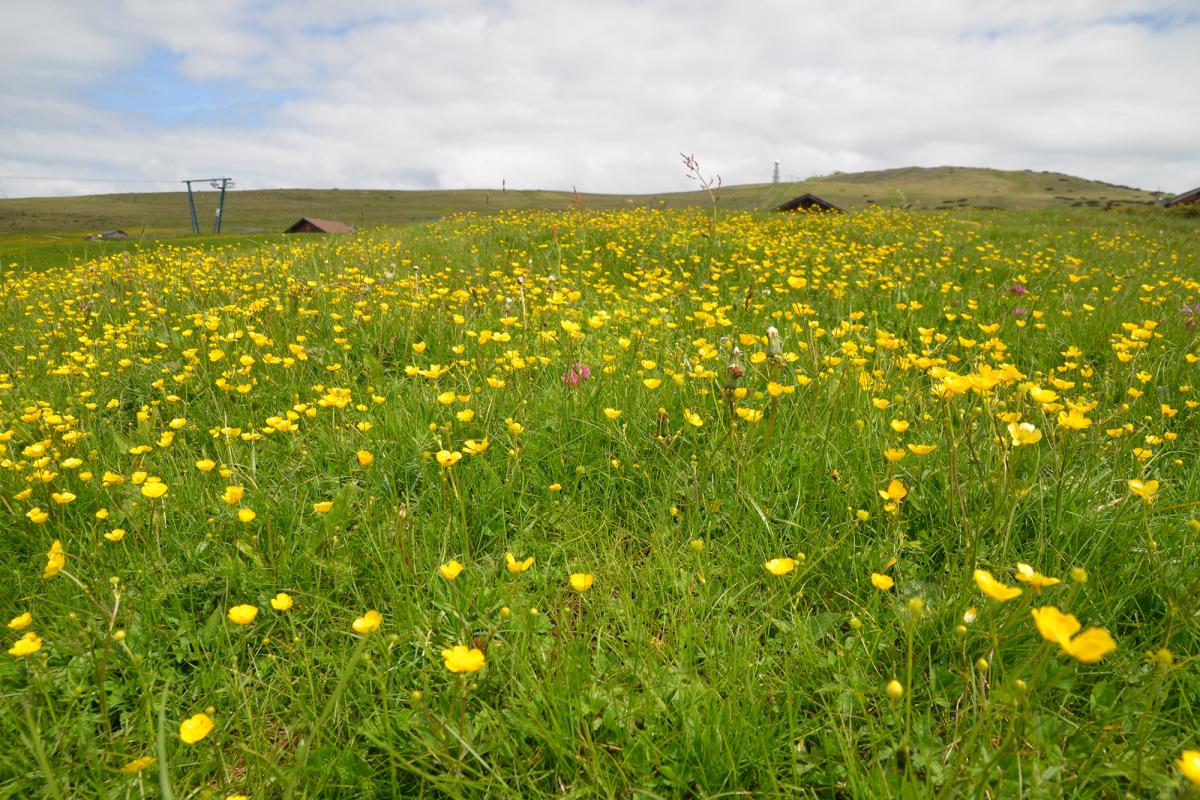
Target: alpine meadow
630	503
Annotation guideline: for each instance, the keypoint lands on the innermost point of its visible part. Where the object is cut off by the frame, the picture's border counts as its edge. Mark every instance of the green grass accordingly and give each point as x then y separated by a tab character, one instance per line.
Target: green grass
686	669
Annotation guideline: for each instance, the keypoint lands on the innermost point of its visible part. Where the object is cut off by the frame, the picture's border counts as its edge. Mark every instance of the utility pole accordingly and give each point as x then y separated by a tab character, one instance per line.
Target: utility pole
216	183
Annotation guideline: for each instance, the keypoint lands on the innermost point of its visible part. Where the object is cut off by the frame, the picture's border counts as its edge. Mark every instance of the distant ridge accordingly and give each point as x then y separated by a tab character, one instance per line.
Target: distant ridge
944	188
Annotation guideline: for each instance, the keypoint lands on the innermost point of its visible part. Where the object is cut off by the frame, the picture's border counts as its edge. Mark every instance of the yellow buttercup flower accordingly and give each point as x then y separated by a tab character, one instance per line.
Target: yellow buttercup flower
461	658
37	516
365	458
154	488
1147	490
882	582
246	514
750	414
1027	574
1189	765
367	623
1055	626
205	465
20	622
1023	433
243	614
281	602
323	506
612	413
1090	646
1073	420
233	494
514	565
451	569
994	588
895	491
474	447
56	559
193	729
582	581
115	535
448	459
780	566
137	765
27	645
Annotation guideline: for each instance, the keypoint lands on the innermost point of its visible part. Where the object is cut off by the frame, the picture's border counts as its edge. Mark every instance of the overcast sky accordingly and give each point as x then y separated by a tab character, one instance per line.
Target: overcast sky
603	96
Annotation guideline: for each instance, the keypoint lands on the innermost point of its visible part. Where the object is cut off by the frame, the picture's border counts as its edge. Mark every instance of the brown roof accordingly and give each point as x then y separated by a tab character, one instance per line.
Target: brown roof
807	202
323	225
1187	197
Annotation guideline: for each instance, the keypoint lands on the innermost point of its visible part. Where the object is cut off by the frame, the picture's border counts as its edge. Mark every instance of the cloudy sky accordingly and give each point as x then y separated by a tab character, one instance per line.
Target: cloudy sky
135	95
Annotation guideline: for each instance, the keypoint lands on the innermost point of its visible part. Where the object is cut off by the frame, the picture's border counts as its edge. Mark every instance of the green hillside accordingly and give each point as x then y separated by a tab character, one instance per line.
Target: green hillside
46	229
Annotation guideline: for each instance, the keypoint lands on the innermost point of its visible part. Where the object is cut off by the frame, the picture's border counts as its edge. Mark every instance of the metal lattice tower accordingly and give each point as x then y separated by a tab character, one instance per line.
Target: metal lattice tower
216	183
775	175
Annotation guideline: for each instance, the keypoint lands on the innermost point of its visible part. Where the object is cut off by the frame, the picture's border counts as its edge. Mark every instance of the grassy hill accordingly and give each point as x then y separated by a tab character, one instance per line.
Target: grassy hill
35	230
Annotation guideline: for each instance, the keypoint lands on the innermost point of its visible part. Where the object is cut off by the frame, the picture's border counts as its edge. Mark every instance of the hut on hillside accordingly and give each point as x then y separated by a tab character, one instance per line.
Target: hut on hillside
107	235
314	225
809	202
1192	196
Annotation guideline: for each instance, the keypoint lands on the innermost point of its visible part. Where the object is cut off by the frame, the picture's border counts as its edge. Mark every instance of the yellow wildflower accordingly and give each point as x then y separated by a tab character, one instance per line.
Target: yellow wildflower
243	614
994	588
368	622
195	728
780	566
514	565
461	658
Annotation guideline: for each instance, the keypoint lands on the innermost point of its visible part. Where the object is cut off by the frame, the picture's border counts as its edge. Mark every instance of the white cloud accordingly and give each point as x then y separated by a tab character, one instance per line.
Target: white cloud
601	96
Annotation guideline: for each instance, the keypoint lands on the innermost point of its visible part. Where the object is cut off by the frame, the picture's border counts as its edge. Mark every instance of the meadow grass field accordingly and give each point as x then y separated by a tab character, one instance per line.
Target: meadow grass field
49	231
626	503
